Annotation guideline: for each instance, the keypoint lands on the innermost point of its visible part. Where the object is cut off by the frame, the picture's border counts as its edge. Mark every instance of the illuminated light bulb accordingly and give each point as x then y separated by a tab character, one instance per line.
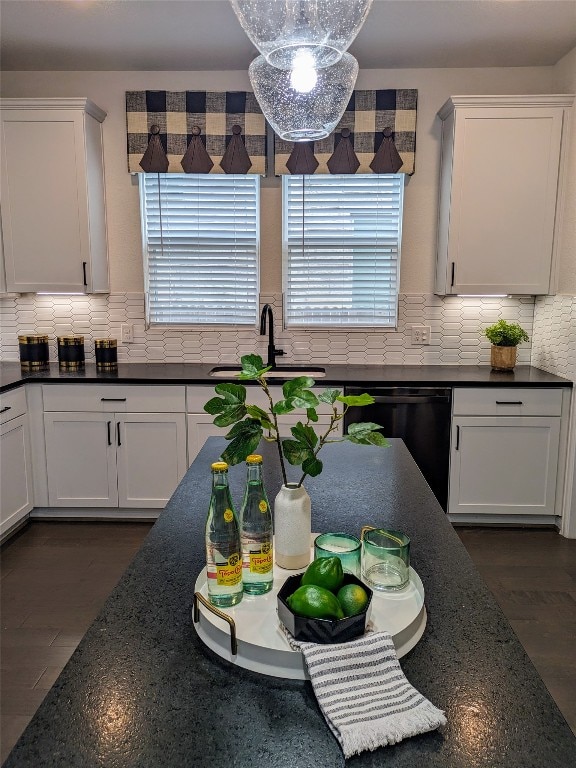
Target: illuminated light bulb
303	76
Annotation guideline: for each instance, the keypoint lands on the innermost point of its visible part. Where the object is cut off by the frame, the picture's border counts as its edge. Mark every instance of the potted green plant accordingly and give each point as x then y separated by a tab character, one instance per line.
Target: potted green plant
250	424
504	337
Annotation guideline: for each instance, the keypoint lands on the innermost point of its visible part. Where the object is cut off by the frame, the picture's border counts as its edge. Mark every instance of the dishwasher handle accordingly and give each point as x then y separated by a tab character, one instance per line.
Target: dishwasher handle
410	399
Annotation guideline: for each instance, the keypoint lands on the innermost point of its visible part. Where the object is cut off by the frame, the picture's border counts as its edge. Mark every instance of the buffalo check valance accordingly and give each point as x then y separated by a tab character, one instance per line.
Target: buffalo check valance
378	129
211	131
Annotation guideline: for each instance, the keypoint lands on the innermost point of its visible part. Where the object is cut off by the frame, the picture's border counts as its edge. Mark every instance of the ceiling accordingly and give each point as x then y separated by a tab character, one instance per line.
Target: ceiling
205	35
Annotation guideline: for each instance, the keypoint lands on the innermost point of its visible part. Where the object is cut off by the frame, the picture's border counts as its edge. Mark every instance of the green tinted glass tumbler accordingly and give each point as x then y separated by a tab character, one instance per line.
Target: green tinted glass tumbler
342	545
385	559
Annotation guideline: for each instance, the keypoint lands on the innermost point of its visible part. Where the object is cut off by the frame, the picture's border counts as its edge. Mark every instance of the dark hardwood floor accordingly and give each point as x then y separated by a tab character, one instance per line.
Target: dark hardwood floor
56	577
532	575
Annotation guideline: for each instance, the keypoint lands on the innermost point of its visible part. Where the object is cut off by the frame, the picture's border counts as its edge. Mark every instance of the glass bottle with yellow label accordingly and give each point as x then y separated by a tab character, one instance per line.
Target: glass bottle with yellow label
256	532
223	549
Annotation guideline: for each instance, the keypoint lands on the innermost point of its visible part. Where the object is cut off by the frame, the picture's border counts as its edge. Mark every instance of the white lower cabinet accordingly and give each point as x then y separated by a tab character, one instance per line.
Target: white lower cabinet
114	446
110	460
503	464
15	472
201	426
81	459
151	457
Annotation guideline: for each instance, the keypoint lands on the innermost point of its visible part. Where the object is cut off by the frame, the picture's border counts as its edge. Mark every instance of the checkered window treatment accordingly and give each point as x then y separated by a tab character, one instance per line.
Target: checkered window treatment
373	121
367	115
178	113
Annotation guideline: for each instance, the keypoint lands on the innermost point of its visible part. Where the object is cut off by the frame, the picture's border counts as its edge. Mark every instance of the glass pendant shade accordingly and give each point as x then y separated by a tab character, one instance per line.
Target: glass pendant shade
280	29
297	115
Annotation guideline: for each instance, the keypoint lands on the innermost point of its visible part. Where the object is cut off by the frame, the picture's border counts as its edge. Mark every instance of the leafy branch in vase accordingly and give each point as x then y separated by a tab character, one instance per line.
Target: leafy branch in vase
252	423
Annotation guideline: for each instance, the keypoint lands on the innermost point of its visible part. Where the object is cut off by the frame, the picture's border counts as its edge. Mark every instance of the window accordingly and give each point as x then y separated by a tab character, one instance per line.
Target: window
200	235
341	241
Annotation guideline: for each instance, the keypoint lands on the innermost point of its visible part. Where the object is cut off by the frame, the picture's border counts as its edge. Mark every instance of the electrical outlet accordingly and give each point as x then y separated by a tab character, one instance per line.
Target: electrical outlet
127	334
420	334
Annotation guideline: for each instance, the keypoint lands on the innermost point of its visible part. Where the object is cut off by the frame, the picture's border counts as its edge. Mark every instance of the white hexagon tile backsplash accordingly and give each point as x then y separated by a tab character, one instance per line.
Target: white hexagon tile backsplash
554	341
456	325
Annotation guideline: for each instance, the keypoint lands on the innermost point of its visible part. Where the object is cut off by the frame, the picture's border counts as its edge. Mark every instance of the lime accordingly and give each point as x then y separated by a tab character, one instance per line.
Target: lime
325	572
315	603
353	599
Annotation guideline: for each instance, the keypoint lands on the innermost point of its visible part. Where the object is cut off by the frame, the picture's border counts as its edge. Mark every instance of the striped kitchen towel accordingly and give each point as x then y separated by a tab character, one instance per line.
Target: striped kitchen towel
363	693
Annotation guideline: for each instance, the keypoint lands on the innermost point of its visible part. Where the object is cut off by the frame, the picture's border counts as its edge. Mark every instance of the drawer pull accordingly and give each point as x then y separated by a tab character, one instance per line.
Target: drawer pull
6	408
112	399
509	402
108	428
118	433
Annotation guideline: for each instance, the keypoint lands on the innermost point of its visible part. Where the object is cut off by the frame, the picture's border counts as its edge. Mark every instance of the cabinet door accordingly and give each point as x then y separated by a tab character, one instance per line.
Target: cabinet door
15	473
200	427
53	201
504	465
151	451
81	459
503	199
43	213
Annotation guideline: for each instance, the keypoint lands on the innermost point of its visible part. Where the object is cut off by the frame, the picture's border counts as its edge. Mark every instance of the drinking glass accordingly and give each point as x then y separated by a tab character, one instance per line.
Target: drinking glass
385	559
340	545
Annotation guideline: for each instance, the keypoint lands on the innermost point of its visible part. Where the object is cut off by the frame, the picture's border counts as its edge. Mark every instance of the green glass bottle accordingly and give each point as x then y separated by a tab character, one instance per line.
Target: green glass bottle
256	532
223	549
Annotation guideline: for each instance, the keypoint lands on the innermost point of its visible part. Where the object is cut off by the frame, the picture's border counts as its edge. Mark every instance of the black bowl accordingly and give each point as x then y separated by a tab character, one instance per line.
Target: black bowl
321	630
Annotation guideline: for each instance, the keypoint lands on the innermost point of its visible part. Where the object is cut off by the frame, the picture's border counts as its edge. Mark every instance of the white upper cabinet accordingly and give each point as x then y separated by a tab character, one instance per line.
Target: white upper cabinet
500	185
53	206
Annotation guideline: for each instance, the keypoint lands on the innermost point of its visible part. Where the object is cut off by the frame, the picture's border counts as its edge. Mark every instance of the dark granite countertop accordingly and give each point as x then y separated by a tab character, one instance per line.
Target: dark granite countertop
142	690
11	375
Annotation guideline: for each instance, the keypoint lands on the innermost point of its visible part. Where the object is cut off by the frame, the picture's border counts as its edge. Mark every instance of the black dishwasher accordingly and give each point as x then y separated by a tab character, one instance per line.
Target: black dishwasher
421	417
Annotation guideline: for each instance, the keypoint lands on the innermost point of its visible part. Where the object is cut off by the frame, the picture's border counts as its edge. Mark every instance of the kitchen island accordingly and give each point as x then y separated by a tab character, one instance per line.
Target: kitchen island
142	690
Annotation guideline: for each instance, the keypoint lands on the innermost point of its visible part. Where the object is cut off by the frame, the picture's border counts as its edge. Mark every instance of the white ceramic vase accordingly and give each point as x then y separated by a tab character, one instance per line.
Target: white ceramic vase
292	527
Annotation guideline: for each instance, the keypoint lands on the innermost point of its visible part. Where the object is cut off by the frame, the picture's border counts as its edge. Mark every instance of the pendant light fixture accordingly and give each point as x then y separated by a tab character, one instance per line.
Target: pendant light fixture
303	80
281	29
303	115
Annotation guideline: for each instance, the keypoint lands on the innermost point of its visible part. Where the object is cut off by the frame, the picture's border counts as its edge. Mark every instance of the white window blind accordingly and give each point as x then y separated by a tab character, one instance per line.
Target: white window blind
200	235
342	239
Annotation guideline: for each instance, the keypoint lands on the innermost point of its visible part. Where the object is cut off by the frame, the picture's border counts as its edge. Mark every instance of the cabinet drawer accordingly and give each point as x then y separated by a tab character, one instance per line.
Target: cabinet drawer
12	404
112	398
507	401
197	396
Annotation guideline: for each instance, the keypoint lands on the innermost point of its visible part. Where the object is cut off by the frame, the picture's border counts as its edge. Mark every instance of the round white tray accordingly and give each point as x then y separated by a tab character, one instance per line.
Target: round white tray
262	646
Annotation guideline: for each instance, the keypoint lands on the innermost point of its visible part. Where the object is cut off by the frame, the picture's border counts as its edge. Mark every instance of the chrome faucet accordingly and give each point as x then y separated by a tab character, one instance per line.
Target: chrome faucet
272	349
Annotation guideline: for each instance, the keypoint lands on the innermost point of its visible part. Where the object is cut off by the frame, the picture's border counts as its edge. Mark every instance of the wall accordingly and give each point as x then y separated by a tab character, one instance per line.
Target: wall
564	81
455	336
554	338
434	86
455	322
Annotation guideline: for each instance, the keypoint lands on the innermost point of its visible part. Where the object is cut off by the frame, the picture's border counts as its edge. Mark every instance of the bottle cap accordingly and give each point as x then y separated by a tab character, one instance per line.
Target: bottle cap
220	466
254	458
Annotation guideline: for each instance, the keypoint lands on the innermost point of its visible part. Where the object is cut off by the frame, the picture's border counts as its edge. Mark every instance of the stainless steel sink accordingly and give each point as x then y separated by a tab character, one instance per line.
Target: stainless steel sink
280	372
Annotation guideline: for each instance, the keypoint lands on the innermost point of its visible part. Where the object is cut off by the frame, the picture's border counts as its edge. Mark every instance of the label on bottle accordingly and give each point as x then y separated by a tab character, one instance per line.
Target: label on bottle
261	562
229	574
263	507
228	515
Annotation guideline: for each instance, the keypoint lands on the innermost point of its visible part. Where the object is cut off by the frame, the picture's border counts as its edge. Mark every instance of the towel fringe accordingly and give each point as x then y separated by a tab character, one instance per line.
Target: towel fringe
390	729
